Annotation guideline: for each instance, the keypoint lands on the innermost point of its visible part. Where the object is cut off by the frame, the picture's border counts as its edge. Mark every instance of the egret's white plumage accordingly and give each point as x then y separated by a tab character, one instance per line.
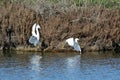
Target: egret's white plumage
34	39
74	43
70	42
33	30
37	32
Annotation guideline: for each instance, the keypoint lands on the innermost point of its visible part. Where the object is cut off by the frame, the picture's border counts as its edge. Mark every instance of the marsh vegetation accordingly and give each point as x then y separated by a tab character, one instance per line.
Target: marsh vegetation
95	22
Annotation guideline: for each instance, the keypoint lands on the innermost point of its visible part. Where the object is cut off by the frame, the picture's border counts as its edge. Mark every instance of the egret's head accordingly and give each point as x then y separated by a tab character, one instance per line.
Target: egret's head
76	39
38	26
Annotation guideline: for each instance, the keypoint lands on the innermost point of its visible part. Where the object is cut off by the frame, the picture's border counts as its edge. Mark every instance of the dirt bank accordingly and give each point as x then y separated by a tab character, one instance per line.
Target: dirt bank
96	28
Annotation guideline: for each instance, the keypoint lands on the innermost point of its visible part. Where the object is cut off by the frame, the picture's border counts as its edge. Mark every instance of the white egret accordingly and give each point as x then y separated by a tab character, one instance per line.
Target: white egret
74	43
34	39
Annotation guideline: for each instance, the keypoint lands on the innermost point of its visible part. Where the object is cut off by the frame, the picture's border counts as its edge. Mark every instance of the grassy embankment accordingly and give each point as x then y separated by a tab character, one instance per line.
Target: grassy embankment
94	22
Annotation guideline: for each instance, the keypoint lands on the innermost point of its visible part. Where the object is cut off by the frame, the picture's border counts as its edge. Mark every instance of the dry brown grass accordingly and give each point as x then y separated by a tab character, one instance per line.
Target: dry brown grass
20	18
95	27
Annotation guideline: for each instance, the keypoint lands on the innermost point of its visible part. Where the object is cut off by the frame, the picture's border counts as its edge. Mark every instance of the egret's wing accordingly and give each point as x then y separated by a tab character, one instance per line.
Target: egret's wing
70	42
36	43
33	40
77	47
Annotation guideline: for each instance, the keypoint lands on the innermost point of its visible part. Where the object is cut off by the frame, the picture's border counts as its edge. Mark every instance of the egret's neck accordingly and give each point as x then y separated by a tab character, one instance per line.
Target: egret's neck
37	34
33	30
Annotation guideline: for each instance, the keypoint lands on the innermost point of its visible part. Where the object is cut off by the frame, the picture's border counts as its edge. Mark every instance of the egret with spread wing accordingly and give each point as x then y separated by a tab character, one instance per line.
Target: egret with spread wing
74	43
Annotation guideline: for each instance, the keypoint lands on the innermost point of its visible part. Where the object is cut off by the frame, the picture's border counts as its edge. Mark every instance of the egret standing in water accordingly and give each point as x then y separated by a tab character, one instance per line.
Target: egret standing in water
34	39
74	43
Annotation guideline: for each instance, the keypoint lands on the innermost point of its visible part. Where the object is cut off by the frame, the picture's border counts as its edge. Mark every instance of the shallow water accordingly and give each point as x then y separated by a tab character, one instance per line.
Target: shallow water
59	66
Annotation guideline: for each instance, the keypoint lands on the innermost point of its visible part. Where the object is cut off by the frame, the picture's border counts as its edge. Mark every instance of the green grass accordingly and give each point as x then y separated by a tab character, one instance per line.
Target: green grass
77	3
105	3
54	1
1	2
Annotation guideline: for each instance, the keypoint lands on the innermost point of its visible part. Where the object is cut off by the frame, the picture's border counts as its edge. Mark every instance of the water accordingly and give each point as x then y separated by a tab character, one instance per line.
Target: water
59	66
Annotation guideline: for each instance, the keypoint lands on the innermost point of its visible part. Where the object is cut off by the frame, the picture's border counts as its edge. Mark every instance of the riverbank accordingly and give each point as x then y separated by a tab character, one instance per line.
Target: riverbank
96	27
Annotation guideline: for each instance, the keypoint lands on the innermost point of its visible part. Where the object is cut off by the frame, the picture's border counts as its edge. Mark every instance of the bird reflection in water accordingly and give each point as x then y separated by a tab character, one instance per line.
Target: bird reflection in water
35	62
72	62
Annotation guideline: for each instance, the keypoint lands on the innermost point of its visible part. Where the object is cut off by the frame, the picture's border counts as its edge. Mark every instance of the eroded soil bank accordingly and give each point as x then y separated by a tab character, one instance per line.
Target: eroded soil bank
96	28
